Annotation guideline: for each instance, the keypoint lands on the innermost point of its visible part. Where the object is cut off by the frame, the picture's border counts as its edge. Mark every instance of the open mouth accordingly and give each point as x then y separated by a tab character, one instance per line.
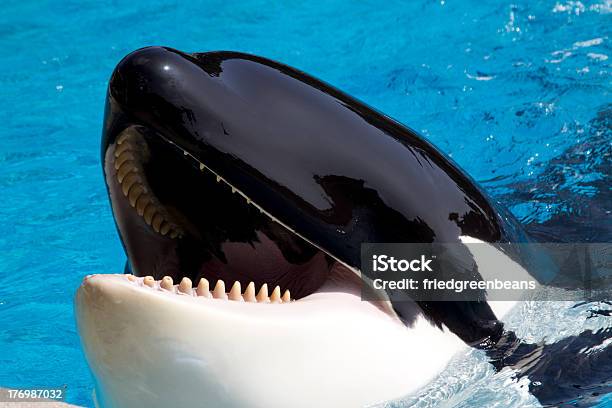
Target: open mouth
189	232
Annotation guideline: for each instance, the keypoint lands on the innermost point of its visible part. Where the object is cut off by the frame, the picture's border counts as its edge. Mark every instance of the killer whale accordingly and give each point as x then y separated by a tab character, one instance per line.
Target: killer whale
228	167
322	165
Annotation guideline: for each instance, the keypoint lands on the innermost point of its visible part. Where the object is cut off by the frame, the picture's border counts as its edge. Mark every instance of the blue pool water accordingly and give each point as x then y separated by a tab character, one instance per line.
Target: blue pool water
517	93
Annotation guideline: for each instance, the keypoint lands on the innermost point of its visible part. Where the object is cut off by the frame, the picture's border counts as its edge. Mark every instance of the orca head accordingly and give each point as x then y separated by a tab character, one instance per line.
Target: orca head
242	190
229	166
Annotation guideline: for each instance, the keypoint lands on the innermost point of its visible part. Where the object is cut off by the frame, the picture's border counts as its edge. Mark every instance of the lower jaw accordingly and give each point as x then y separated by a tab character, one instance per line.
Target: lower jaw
171	343
339	294
342	287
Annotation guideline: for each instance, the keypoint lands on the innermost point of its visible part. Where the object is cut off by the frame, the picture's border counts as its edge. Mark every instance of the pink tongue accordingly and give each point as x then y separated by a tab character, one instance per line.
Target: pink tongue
343	280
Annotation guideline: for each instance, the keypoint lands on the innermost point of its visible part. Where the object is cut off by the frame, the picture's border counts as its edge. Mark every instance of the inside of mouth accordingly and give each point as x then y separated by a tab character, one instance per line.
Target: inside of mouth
137	183
336	281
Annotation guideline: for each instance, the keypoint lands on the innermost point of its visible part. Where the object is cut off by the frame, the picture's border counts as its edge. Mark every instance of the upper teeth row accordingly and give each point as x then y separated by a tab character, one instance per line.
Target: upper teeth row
185	287
130	153
234	189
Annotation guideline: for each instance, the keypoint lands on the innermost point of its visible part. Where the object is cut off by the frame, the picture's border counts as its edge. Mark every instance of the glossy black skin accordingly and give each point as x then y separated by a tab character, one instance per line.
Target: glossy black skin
326	165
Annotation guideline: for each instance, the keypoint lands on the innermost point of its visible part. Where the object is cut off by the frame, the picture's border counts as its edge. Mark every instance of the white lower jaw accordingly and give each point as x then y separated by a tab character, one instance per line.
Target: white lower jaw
151	349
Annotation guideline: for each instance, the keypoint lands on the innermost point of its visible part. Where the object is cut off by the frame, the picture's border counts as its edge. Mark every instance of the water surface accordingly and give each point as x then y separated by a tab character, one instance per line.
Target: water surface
517	93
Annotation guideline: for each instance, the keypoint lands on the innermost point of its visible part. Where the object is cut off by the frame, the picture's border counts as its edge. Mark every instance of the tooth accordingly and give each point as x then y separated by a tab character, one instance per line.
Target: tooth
203	288
201	166
233	190
122	149
219	291
165	227
262	296
157	220
286	296
141	204
275	297
149	281
128	182
125	170
174	234
149	212
124	158
249	293
136	191
248	200
218	179
123	137
166	283
185	286
131	278
235	292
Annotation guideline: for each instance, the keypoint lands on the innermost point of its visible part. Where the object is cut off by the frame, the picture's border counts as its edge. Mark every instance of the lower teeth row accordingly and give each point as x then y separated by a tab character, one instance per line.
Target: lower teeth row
185	287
